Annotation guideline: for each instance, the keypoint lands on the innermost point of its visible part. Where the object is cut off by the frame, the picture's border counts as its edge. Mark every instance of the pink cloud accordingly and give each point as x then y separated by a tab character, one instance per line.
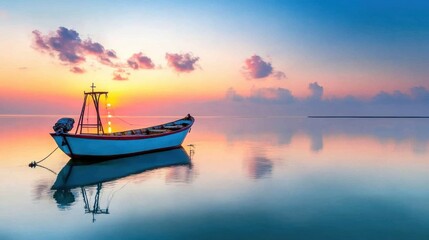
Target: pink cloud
140	61
66	46
181	62
39	42
69	48
256	68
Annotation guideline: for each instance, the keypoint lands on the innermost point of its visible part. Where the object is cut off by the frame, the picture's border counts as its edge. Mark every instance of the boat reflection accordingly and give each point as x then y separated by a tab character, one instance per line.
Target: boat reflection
76	175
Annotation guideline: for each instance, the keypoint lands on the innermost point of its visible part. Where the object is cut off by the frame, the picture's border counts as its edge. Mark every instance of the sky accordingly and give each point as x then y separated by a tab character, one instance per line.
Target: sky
216	57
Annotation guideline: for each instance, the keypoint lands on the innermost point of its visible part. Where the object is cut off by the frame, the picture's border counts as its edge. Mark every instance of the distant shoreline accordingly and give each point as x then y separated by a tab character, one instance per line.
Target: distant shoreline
368	116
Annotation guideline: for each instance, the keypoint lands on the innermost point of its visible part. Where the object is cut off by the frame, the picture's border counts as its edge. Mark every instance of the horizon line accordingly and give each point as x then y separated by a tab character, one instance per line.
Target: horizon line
367	116
155	116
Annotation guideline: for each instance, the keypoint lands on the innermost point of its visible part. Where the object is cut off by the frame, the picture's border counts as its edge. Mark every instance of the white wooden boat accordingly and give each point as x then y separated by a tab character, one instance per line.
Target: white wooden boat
118	144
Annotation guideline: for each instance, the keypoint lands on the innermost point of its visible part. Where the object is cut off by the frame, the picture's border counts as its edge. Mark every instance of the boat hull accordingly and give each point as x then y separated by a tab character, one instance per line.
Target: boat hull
110	146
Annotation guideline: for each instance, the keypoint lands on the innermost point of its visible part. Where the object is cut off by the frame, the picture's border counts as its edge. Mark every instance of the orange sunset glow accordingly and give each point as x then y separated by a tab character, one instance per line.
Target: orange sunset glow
155	68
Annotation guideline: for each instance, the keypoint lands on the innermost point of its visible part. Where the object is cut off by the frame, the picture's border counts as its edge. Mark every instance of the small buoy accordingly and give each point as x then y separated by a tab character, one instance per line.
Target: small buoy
33	164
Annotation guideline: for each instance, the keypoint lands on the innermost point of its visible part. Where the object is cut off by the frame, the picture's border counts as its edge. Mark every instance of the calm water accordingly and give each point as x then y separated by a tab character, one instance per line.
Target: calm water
248	178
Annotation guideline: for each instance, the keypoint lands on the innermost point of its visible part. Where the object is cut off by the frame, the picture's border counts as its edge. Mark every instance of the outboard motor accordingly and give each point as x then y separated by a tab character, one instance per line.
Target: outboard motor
63	125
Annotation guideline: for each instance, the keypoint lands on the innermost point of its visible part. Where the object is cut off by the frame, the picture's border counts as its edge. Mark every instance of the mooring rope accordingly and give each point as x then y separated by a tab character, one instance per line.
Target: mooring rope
34	163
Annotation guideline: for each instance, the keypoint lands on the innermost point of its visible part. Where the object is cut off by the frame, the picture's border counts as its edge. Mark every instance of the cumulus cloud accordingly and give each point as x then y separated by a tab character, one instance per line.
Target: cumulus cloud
316	91
140	61
92	47
181	62
256	68
111	53
70	49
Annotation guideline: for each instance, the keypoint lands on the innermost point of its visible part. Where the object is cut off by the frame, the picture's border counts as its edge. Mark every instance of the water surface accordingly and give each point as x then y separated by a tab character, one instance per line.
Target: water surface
248	178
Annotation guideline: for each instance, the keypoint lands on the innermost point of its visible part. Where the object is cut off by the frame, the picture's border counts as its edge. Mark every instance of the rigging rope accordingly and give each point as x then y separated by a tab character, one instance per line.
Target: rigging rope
114	115
123	120
87	115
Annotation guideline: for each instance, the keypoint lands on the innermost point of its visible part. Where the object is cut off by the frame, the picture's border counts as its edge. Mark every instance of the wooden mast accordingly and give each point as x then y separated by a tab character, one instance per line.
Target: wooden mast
95	96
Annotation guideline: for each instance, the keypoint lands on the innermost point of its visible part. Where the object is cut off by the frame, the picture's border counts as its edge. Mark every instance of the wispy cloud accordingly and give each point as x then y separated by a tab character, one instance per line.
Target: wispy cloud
257	68
416	94
182	62
279	75
120	74
77	70
272	95
232	95
262	95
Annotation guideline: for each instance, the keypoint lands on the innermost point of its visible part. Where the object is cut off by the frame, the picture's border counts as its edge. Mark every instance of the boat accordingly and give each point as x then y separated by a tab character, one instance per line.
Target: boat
103	145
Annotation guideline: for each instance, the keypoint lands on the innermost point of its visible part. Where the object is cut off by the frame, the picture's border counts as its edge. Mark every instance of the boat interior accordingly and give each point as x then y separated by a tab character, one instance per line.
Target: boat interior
160	129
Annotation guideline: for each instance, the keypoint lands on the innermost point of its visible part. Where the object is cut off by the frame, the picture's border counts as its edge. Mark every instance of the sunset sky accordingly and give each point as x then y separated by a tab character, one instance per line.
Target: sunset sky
216	57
